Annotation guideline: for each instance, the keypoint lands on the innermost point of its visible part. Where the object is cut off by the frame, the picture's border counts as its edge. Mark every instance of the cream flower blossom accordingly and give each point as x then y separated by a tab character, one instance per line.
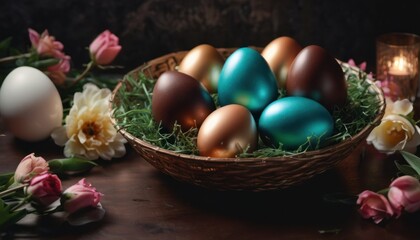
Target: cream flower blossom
88	130
400	107
395	132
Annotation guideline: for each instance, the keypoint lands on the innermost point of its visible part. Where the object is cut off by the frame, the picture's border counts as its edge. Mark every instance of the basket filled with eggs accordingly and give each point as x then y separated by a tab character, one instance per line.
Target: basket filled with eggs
249	118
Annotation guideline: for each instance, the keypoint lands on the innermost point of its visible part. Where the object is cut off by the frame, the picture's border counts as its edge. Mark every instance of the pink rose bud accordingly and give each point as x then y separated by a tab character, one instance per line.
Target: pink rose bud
80	195
104	48
45	189
404	193
29	167
45	44
57	72
374	205
362	66
351	62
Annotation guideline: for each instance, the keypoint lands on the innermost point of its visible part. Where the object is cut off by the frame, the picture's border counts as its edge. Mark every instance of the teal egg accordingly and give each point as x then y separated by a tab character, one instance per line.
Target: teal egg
291	121
246	79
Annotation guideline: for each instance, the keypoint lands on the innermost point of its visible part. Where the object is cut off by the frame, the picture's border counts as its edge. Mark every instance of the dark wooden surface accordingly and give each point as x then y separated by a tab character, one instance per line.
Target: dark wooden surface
142	203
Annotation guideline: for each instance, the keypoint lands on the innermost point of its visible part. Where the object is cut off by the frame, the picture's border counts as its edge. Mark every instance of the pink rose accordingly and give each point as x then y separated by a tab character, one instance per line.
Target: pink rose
57	72
374	205
45	189
104	48
80	195
45	44
29	167
404	193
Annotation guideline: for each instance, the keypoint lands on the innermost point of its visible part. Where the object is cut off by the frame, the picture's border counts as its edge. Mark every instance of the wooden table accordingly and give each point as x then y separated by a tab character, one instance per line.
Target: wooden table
142	203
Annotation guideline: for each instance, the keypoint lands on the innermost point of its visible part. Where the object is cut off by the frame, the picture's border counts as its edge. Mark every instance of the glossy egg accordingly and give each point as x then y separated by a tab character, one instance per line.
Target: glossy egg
279	55
203	63
227	131
30	104
290	121
179	98
247	80
317	75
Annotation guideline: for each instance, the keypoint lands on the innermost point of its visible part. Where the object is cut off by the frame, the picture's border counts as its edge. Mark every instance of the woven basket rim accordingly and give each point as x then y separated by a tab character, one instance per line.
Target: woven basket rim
363	133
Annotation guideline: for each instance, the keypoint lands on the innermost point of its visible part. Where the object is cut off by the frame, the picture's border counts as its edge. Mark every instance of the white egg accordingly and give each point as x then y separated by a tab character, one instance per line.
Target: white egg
30	104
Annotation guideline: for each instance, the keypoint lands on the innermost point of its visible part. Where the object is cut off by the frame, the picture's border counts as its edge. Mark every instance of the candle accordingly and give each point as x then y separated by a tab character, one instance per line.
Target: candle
397	64
400	66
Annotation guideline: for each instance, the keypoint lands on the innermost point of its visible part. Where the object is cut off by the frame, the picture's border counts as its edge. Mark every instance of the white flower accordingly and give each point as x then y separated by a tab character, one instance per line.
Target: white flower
400	107
395	132
88	130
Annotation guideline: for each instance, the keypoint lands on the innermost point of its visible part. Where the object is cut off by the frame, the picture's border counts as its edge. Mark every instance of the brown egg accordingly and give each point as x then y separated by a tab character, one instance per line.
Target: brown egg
227	131
180	98
203	63
316	74
279	55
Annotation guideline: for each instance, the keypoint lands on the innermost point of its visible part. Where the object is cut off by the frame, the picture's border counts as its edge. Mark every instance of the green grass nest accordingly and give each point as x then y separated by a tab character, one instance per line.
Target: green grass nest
132	112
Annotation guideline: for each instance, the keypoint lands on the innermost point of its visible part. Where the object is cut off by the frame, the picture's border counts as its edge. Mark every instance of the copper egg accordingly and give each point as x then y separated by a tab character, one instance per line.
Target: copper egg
203	63
226	132
179	98
279	55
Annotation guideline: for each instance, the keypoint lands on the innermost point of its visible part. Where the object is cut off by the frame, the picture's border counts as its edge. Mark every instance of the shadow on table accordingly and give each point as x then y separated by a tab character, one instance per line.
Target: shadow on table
33	227
300	205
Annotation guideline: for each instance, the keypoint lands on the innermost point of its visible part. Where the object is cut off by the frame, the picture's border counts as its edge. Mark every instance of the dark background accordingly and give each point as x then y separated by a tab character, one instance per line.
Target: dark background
150	28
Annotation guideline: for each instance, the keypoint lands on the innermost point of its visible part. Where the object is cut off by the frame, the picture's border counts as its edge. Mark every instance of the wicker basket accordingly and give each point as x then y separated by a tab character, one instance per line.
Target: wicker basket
252	174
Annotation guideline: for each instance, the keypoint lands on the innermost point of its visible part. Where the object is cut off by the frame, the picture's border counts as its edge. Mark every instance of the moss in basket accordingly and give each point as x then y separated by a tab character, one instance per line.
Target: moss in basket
132	112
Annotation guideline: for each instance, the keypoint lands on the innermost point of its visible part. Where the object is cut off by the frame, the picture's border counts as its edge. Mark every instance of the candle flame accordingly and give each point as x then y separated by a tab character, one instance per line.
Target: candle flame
400	63
400	66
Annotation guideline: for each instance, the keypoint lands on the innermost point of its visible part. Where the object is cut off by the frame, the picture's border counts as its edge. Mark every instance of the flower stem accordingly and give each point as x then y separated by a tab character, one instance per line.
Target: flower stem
89	67
10	190
11	58
24	201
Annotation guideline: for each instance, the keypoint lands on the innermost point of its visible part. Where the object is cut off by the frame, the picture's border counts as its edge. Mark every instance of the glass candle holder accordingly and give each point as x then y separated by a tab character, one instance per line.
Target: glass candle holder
397	64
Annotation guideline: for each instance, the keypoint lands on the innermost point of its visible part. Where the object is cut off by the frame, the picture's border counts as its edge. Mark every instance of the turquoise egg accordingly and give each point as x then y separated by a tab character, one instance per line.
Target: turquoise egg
294	122
246	79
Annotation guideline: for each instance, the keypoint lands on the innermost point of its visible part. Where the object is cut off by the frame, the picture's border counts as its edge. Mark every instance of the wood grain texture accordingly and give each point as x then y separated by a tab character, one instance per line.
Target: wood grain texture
142	203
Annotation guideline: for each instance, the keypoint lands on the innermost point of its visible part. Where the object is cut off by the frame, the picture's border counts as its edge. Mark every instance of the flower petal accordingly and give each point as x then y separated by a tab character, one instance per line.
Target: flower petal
89	125
59	135
405	124
34	37
403	107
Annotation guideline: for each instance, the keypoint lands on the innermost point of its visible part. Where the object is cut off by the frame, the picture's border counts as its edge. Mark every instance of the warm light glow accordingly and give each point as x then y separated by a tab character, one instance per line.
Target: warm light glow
400	63
400	66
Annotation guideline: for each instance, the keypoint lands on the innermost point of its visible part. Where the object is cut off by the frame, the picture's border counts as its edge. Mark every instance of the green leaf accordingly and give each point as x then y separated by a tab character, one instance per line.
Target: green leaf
5	45
5	178
406	169
41	64
7	217
14	51
70	165
413	160
383	191
409	118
